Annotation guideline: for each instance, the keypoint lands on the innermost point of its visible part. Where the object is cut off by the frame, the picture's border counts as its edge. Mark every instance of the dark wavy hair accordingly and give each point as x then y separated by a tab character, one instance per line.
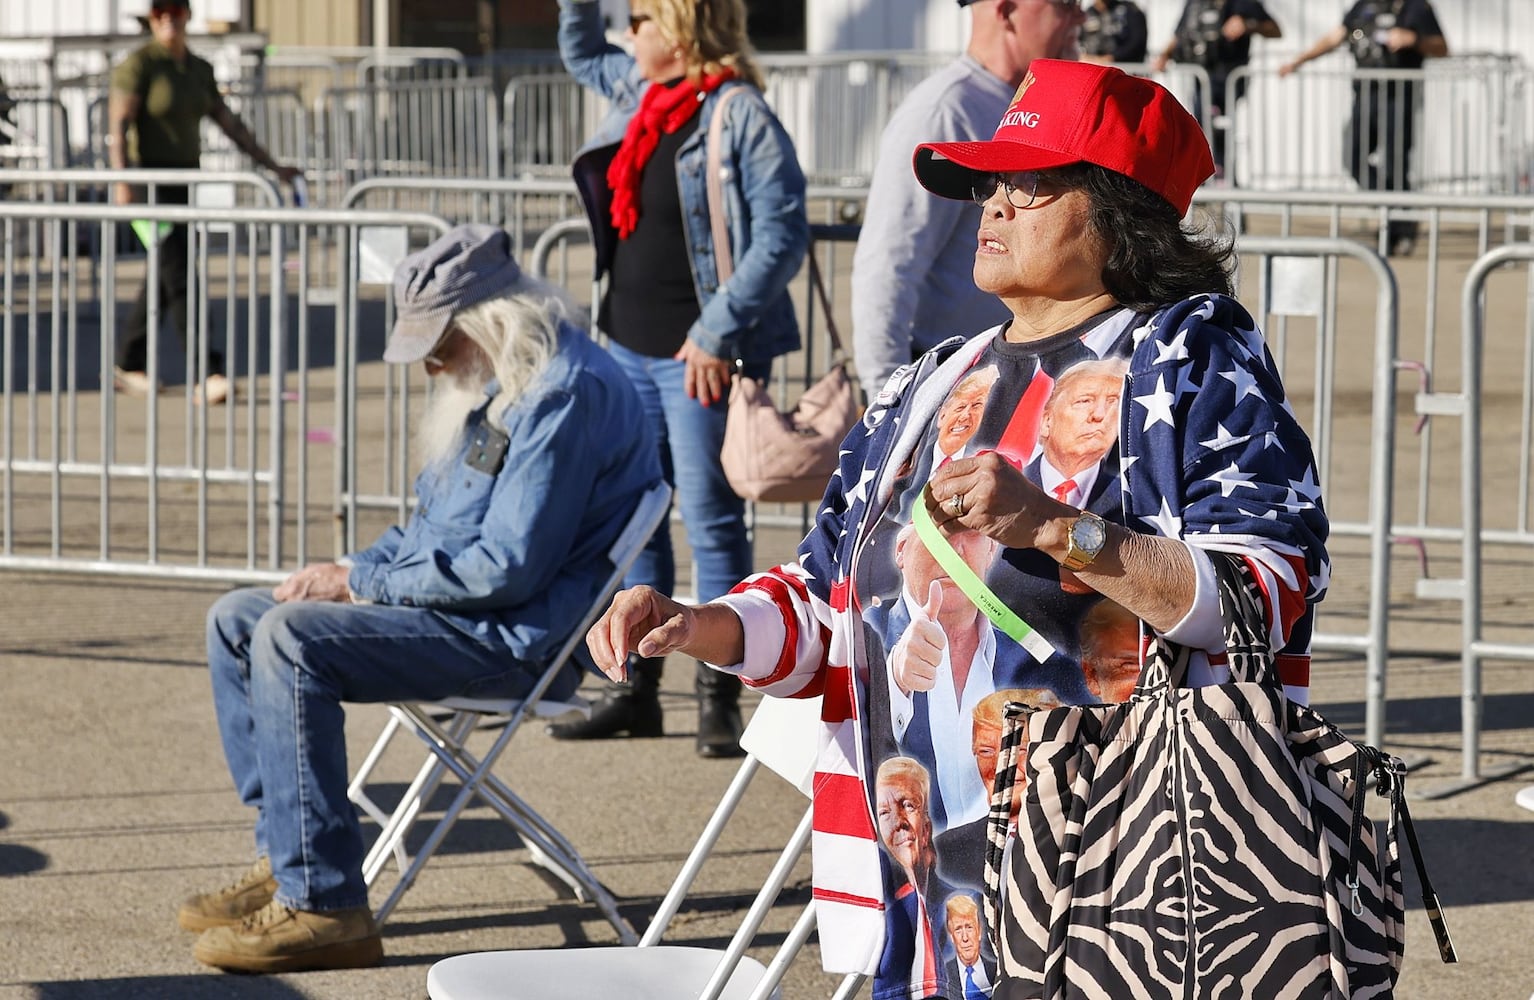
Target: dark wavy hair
1153	258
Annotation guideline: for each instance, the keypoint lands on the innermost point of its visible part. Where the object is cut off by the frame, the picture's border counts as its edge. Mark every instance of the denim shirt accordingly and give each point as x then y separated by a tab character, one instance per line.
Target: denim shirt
516	558
751	316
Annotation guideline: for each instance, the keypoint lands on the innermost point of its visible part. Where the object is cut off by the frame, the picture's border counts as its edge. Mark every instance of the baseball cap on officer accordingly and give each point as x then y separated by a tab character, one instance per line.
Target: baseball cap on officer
461	268
1072	112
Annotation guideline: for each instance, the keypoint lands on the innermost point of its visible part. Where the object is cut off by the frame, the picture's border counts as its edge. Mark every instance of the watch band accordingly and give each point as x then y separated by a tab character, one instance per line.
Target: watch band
1077	558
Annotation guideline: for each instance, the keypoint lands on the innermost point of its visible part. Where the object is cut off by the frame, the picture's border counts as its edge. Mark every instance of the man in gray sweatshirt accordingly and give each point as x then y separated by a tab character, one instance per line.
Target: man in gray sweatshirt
912	282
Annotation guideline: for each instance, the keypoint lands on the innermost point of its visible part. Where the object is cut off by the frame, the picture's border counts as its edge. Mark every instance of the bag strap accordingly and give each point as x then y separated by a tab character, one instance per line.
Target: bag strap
1247	644
999	821
974	588
818	283
1391	774
723	261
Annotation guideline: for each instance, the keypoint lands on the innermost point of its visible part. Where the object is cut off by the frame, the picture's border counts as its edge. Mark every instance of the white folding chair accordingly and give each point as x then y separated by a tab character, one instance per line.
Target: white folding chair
782	735
447	738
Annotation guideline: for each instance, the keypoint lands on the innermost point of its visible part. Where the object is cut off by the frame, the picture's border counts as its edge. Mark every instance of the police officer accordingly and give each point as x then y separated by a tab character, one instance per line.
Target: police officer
1389	35
1217	35
1114	32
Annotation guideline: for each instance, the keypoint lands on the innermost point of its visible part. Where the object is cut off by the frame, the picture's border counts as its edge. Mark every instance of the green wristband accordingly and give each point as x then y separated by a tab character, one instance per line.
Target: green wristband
974	588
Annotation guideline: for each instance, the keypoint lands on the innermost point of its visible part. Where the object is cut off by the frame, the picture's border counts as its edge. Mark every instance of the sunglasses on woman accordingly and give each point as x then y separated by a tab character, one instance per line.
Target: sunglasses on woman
1019	187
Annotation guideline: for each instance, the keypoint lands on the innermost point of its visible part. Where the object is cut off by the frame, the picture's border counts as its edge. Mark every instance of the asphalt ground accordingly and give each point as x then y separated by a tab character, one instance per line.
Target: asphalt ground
115	803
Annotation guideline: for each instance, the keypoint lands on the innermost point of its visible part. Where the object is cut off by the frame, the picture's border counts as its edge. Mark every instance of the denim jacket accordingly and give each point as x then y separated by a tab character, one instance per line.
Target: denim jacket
751	316
515	558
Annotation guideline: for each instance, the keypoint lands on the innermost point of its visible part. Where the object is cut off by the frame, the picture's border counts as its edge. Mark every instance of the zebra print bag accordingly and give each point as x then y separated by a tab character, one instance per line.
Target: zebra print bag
1197	842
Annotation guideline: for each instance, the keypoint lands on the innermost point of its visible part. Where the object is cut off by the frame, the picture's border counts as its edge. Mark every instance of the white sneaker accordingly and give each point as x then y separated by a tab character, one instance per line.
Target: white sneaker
1525	797
216	388
128	383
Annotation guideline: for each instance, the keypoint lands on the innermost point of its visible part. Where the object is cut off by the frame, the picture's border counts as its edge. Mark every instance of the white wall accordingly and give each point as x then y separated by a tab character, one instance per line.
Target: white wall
1504	26
28	18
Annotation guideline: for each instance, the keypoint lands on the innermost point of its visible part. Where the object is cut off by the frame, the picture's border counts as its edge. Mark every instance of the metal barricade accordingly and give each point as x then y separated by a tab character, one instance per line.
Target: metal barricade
1457	126
394	66
278	120
523	207
435	128
34	132
548	116
1301	279
863	87
169	487
1455	229
1494	461
350	66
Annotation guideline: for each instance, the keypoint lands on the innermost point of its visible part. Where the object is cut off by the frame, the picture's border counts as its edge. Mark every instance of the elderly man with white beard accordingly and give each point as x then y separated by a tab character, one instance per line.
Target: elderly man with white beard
534	453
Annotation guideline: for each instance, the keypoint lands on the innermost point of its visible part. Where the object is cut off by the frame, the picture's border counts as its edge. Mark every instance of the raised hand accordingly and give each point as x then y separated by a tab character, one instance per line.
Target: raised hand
918	654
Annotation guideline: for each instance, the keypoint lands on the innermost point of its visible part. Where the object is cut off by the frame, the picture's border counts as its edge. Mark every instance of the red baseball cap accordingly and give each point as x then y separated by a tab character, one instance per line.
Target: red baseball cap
1068	112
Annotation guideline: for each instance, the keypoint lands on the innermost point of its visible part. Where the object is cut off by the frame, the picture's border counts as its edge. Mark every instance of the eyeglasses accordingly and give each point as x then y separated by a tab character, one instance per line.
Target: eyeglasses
1024	183
1065	5
635	20
434	356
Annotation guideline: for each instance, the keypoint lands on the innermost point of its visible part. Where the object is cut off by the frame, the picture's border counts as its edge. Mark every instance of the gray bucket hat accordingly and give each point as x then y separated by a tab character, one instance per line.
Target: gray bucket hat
461	268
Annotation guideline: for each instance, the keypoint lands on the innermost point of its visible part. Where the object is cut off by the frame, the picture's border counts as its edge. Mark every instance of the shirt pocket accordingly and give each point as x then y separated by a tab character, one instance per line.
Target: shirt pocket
459	502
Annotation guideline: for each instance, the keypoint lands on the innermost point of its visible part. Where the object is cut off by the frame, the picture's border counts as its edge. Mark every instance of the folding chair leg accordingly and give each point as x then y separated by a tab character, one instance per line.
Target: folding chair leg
357	790
803	928
776	879
397	827
705	844
547	845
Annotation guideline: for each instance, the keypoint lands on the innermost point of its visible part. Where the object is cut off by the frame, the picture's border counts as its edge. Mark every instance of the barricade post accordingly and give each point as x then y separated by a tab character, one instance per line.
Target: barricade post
181	500
1469	404
1375	525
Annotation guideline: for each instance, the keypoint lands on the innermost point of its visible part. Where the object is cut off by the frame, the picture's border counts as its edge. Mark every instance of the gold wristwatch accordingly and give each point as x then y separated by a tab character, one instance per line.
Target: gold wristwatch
1086	536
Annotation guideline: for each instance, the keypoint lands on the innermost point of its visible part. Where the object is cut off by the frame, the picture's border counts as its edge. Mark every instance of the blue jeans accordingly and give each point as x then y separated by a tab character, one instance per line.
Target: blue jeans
691	438
280	673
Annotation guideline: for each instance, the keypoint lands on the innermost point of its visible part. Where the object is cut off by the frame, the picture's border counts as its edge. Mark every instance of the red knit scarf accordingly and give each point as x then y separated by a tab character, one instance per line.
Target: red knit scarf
662	111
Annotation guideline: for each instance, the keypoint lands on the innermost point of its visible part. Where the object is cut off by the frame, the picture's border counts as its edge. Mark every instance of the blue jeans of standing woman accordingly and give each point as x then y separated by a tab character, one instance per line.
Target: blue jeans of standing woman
280	673
691	438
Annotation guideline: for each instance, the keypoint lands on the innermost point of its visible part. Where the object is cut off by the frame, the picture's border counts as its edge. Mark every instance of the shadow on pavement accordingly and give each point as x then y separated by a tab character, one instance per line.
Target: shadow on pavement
17	859
86	362
1406	716
1473	861
182	987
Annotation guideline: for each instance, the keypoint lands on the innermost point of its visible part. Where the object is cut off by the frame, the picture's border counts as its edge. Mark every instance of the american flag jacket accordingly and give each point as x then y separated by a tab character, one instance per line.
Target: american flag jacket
1211	453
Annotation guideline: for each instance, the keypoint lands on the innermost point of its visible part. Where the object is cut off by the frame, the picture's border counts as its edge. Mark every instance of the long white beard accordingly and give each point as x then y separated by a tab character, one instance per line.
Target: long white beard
441	425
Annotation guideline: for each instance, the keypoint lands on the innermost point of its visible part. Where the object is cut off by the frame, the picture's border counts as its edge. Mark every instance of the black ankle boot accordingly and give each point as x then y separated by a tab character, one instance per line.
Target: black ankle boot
628	709
719	725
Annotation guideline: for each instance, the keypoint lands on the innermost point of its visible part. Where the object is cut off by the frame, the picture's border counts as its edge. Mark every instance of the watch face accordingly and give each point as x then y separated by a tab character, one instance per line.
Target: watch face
1088	534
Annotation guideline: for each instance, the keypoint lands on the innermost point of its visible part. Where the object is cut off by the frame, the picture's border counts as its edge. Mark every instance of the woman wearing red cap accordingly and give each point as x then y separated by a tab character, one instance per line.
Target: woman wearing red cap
1124	346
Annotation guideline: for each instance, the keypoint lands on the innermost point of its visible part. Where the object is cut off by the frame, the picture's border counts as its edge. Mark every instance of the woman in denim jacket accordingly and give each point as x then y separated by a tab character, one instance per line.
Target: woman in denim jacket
675	328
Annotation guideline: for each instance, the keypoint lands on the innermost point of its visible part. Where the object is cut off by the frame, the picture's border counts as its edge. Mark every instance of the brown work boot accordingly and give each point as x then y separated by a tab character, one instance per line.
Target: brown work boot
231	904
278	939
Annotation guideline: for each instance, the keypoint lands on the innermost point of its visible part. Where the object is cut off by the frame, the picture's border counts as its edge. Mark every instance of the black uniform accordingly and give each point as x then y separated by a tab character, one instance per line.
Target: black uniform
1383	122
1119	32
1199	41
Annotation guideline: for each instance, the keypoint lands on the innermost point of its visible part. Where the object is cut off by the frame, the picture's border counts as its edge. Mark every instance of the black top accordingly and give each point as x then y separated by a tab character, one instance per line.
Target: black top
651	300
1119	32
1368	21
1199	39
